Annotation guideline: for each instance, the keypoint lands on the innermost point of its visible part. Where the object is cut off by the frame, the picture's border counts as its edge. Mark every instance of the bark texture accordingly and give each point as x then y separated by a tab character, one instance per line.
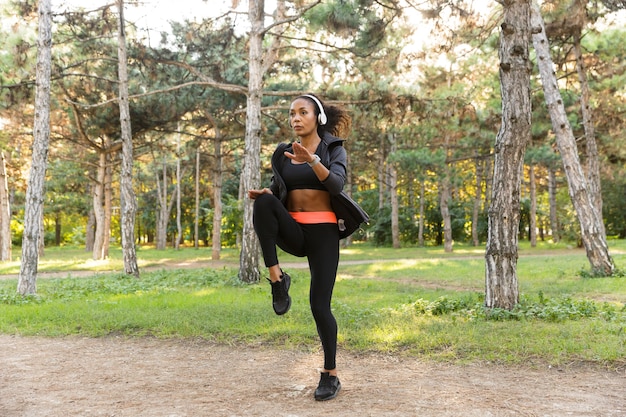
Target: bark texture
251	174
501	284
218	174
102	204
33	206
593	159
128	201
5	213
196	216
393	191
259	62
164	209
592	232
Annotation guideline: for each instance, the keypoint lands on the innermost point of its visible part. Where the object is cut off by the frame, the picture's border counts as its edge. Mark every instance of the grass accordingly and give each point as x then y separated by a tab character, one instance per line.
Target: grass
413	301
70	259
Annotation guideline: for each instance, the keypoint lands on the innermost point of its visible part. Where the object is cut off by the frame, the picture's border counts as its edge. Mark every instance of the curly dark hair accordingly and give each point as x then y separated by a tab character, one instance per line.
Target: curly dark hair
339	122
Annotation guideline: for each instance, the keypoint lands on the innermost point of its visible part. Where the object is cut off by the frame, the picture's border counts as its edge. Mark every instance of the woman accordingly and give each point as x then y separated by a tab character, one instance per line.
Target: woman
295	213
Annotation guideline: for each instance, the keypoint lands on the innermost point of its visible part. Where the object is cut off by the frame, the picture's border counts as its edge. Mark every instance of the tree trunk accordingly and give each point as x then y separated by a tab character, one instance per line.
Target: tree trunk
5	212
179	227
532	221
162	214
218	175
382	184
554	220
590	221
395	221
128	201
98	207
445	213
196	216
593	164
102	205
33	204
251	174
393	191
163	211
501	285
108	203
90	231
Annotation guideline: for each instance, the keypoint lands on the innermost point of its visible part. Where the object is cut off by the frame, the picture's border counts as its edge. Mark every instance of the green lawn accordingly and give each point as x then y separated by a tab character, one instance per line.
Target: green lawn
413	301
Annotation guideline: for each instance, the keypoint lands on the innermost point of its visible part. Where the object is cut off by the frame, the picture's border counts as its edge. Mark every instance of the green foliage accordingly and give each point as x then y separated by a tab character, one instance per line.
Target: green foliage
362	22
232	223
558	310
442	104
613	205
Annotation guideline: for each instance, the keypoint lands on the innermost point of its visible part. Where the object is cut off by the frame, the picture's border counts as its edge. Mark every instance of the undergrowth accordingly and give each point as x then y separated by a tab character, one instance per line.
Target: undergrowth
551	310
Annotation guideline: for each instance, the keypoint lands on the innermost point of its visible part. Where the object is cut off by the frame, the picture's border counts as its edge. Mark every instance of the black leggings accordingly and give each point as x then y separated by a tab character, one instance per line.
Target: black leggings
320	244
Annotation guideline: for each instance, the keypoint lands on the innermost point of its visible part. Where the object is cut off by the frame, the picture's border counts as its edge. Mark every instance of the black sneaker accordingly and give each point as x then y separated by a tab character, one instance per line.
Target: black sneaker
281	301
328	387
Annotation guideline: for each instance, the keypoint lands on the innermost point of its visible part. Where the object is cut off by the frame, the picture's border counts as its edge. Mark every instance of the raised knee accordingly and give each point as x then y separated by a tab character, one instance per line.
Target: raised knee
262	201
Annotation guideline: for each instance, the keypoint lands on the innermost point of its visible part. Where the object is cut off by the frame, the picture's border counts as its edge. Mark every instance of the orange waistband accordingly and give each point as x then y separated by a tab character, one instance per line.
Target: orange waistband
313	217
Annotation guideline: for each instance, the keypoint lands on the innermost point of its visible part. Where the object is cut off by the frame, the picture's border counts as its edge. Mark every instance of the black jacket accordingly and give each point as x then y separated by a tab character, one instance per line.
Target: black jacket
332	154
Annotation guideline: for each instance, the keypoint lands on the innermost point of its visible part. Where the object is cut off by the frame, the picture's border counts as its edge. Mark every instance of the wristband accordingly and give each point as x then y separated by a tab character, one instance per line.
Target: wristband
316	160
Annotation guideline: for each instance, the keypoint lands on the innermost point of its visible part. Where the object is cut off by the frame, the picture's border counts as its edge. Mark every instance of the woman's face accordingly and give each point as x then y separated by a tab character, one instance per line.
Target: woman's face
302	117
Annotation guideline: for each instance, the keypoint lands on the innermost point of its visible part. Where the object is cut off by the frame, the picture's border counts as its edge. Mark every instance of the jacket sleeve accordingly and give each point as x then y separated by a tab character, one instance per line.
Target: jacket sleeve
277	182
337	170
274	186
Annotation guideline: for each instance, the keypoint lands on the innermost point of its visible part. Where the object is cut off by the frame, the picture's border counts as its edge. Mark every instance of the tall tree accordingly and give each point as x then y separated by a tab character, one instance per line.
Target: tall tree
251	177
501	284
591	231
259	61
33	210
217	174
128	201
196	211
179	227
593	161
102	201
164	207
5	212
393	190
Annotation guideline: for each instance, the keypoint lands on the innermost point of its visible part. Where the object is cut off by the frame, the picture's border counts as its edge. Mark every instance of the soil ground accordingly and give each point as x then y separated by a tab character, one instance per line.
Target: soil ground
150	377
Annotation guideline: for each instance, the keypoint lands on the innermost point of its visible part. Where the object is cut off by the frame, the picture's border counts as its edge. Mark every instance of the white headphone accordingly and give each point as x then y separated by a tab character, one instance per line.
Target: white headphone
321	118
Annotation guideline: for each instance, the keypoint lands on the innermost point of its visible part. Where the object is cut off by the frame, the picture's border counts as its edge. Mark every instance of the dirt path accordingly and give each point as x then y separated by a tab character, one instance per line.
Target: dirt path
153	378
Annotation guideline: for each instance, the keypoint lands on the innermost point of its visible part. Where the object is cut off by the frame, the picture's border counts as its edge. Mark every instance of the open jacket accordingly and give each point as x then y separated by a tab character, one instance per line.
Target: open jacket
332	154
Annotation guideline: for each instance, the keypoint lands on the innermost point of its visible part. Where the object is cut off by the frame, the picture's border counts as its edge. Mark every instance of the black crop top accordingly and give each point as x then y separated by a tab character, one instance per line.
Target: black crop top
300	177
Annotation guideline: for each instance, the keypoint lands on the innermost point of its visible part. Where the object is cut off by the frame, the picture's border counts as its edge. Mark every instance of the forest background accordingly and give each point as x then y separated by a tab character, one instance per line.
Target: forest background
426	107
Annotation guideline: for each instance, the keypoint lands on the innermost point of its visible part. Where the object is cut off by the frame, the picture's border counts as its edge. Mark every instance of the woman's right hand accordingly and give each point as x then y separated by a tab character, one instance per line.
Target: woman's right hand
253	194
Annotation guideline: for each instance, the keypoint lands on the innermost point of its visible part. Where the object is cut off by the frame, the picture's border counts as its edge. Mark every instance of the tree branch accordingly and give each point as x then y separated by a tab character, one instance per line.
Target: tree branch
290	19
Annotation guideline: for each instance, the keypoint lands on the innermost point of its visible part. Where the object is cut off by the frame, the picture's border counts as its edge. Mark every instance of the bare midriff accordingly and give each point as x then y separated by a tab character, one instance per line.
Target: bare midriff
308	200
